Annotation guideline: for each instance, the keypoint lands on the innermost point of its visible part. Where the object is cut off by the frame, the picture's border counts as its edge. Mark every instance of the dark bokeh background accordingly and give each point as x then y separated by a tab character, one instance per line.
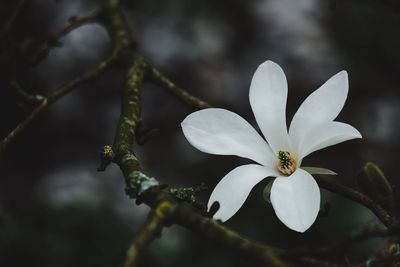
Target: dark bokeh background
57	210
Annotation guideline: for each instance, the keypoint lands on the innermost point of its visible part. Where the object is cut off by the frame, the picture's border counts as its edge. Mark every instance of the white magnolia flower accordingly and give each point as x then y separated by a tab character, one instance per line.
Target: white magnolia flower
295	195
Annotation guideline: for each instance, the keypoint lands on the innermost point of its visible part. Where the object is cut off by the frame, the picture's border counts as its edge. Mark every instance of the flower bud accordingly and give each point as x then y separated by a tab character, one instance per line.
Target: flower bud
372	182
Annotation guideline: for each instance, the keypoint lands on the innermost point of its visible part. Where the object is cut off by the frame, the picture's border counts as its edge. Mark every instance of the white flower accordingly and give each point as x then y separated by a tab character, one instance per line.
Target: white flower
295	195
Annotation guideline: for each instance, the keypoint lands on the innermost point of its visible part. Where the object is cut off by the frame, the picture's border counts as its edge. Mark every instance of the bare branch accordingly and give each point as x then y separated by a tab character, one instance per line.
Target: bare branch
163	81
10	21
73	23
52	40
53	97
344	244
151	230
333	186
207	227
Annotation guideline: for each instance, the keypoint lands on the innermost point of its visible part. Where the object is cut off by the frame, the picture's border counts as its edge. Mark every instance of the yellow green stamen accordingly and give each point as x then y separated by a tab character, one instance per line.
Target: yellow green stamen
286	164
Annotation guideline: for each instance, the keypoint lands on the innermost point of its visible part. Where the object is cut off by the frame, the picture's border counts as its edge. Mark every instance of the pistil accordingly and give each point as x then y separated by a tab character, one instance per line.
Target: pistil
286	163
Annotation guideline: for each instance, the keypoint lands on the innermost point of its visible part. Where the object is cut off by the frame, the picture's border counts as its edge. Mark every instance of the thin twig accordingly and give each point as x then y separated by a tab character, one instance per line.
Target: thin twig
53	97
215	231
391	4
10	21
343	244
151	230
333	186
51	41
35	99
163	81
73	23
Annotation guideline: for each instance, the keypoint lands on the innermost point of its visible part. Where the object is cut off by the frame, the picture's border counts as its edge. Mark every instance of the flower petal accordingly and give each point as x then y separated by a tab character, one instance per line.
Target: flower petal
268	94
296	200
232	191
326	134
322	105
222	132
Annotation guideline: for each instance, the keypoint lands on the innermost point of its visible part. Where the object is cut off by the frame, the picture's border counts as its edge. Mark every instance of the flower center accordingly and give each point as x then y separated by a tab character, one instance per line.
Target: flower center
286	163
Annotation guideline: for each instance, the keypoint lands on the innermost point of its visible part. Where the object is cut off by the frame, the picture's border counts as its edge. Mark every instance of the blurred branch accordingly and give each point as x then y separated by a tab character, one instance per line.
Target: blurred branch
394	4
73	23
53	39
53	97
342	245
390	4
209	228
34	99
333	186
10	21
161	80
387	256
151	230
20	127
112	18
115	21
69	86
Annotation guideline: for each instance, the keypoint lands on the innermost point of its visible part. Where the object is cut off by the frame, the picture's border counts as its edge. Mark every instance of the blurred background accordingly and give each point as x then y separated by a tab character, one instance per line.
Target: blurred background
57	210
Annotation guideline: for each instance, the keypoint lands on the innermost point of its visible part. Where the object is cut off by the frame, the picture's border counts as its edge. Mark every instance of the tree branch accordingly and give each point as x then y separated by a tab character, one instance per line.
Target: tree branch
85	77
73	23
151	230
52	40
333	186
158	78
10	21
53	97
344	244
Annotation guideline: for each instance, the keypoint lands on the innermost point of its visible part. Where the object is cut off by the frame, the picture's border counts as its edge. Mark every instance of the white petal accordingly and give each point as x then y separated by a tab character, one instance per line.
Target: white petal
232	191
296	200
268	94
322	105
222	132
326	134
